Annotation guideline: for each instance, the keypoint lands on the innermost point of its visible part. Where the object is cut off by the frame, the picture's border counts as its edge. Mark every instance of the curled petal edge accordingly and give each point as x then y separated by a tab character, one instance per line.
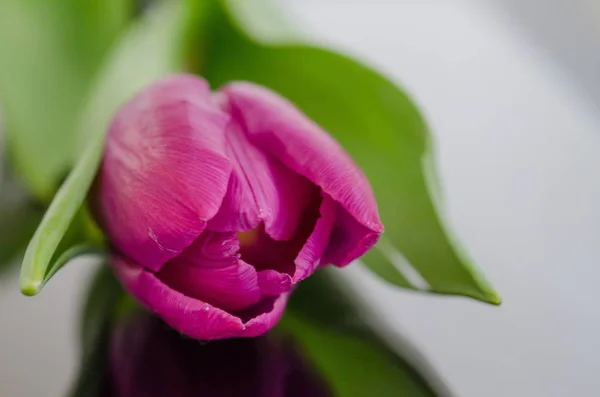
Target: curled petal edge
192	317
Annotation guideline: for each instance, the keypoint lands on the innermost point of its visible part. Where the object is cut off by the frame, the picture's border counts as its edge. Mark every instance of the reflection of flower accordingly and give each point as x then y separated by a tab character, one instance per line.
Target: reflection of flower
149	359
218	203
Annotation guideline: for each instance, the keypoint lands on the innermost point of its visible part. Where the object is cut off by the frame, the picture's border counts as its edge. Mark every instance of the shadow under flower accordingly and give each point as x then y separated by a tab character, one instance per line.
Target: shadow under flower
147	358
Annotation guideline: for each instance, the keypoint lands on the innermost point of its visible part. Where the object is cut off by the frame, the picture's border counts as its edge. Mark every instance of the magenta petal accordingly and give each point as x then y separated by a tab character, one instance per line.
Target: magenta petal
274	283
164	173
190	316
349	240
309	257
275	126
261	189
265	315
210	270
194	317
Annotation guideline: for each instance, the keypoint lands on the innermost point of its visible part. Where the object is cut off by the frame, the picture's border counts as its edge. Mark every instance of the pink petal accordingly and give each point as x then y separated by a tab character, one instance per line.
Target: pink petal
276	127
210	270
193	317
265	253
164	173
274	283
297	258
264	316
261	189
309	258
190	316
349	239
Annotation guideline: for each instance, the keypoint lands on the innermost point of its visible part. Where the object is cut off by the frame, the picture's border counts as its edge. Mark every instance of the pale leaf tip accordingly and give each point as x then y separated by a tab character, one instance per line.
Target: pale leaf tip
31	287
489	295
494	298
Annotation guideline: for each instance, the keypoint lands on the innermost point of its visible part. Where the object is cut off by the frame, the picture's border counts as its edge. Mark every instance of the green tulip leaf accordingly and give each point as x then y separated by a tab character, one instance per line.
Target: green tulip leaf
19	216
50	50
18	221
377	124
151	47
100	304
66	256
355	352
78	240
352	366
16	228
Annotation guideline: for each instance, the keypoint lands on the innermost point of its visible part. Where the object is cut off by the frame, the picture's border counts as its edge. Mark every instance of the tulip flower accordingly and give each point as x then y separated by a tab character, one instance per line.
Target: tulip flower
217	204
148	359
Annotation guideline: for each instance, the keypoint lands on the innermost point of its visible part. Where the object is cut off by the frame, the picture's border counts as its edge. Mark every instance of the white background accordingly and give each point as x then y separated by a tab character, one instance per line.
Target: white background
518	136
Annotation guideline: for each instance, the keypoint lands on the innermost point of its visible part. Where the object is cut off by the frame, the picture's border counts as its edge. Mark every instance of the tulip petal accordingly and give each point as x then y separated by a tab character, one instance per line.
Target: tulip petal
349	239
276	127
263	316
297	258
273	283
265	253
164	173
281	264
193	317
261	189
210	270
309	258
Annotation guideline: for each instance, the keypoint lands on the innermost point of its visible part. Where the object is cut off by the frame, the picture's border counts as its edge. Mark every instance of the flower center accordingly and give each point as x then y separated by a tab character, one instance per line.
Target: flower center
249	238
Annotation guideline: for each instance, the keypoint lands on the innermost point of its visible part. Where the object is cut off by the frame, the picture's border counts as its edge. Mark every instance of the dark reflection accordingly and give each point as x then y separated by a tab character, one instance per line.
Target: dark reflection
149	359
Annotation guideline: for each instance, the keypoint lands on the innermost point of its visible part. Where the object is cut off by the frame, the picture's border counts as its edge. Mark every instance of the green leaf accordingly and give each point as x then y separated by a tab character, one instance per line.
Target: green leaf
17	224
378	125
69	254
354	367
150	48
75	242
19	216
355	352
102	299
97	312
50	49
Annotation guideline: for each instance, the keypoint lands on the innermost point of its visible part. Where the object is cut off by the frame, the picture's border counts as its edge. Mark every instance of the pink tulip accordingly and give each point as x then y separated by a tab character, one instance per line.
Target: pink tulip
217	204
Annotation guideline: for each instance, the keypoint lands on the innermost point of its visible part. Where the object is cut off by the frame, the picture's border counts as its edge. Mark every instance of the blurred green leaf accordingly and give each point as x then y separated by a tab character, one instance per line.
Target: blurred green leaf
17	224
152	47
356	352
352	366
97	315
102	298
74	251
376	122
19	216
50	49
73	244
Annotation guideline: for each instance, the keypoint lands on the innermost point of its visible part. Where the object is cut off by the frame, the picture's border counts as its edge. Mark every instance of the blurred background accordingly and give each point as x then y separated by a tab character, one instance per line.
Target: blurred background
512	94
